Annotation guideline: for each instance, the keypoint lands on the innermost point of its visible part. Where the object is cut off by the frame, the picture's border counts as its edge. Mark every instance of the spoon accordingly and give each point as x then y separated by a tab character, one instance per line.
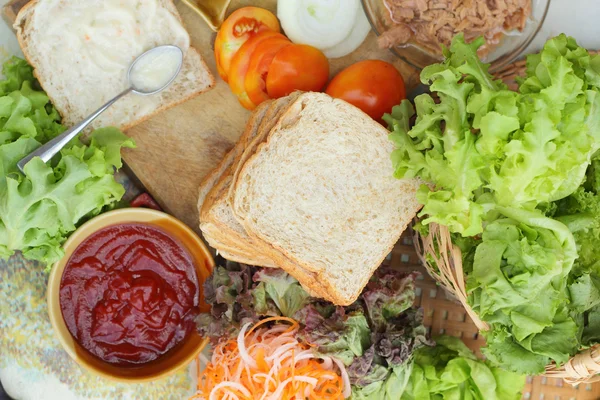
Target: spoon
150	73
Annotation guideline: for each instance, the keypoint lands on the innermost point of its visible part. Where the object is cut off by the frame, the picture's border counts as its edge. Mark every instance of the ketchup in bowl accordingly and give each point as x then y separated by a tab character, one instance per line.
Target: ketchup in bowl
129	294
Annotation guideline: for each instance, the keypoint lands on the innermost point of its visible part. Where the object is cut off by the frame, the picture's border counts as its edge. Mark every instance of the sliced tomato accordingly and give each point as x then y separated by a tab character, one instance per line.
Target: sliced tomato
240	26
260	61
241	62
297	67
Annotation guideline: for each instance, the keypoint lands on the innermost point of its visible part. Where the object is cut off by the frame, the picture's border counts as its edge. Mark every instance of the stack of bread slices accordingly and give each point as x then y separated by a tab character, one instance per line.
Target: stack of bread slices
309	188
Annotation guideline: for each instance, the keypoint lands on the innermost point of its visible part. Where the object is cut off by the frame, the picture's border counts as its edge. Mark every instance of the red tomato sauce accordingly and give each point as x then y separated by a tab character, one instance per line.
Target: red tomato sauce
129	294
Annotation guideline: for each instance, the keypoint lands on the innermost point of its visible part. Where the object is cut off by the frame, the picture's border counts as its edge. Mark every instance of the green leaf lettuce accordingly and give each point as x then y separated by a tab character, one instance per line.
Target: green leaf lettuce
40	209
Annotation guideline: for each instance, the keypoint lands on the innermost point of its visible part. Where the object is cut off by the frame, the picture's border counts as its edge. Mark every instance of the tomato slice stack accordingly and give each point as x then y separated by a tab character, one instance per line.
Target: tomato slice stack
240	26
246	62
259	63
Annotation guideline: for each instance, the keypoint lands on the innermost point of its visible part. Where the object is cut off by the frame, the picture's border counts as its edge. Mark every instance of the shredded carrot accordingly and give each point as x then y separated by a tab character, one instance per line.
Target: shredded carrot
269	363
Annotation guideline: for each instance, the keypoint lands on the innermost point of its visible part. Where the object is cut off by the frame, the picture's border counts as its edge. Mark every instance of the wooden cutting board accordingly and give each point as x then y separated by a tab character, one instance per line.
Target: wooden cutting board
178	147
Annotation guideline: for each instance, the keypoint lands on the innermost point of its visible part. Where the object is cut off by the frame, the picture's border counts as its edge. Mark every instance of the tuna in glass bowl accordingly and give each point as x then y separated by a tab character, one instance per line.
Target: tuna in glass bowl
415	30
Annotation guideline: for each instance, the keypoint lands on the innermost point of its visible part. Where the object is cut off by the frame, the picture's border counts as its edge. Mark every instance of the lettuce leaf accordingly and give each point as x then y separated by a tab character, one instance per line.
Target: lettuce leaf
503	170
343	334
480	145
518	284
241	294
15	71
451	371
37	211
580	212
591	331
391	388
40	209
282	289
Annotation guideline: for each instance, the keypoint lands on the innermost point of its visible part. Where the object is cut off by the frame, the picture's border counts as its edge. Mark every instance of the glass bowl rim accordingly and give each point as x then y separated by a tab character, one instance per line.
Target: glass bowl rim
495	65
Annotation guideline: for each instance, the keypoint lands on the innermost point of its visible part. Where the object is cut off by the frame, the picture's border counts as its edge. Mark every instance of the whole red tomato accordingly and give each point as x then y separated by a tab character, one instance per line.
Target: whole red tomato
374	86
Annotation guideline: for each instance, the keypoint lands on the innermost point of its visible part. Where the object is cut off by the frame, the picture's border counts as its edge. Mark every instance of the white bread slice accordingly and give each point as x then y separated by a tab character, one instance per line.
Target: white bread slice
81	51
321	191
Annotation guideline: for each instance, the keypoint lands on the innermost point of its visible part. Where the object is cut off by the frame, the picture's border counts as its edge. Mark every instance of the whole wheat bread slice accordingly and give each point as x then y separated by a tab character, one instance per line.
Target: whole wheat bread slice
211	179
321	191
237	258
81	50
277	111
235	253
218	223
210	232
216	213
215	209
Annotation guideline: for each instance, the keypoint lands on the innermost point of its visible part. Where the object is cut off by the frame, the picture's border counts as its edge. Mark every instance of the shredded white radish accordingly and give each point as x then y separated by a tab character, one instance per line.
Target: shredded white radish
267	377
327	362
282	350
345	378
241	341
308	356
233	385
282	385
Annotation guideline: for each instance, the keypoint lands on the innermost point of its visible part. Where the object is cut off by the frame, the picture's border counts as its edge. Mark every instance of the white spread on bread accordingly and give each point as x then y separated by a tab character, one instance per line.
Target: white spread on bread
107	38
111	33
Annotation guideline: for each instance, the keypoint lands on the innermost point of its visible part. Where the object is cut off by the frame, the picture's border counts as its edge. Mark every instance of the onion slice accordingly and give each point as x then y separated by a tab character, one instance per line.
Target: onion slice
357	35
319	23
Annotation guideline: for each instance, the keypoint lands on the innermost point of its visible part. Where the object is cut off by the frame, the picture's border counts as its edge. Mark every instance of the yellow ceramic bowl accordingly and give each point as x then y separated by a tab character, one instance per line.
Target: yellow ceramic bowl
175	359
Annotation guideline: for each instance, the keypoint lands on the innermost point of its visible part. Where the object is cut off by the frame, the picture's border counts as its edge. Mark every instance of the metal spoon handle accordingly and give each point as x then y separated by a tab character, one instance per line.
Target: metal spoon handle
52	147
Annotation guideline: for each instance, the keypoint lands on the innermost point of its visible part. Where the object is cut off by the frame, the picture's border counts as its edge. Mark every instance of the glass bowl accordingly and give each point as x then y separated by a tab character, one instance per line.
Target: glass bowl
509	48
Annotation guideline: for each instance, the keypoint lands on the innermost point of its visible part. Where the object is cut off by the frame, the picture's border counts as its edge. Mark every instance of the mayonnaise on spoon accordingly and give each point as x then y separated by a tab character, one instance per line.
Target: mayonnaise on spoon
155	69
